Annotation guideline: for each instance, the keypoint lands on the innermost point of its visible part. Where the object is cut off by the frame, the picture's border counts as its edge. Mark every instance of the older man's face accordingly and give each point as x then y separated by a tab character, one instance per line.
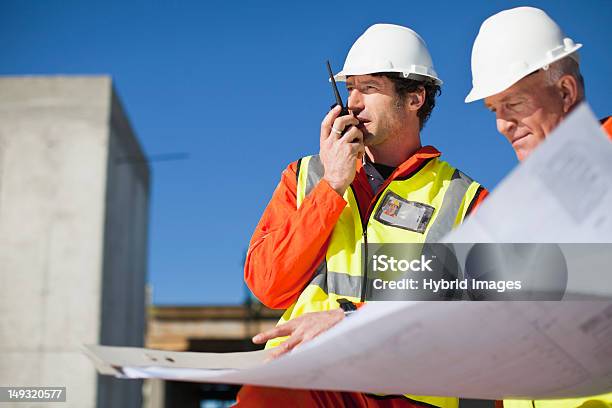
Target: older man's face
527	112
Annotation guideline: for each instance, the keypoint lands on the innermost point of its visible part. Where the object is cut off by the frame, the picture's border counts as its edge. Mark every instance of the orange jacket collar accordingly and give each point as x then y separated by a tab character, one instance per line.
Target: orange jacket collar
413	162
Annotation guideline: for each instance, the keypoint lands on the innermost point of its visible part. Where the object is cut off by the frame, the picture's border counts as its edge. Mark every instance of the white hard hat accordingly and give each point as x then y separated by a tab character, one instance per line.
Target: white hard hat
389	48
512	44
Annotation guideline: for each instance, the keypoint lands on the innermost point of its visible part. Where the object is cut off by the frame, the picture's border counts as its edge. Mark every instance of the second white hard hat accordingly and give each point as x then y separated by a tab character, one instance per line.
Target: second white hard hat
512	44
389	48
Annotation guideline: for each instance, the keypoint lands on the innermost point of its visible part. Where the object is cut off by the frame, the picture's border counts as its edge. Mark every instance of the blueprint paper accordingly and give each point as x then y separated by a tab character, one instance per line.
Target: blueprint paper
489	350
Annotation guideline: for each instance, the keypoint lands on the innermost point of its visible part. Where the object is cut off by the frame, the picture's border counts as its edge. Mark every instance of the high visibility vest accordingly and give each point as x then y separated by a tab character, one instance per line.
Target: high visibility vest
595	401
445	191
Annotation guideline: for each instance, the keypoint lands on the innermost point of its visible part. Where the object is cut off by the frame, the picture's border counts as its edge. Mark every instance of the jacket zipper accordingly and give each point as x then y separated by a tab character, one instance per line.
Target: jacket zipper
364	271
364	228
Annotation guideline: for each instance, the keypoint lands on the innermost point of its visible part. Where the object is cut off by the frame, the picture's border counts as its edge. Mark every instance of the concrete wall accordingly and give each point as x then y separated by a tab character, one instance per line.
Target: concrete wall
125	254
73	226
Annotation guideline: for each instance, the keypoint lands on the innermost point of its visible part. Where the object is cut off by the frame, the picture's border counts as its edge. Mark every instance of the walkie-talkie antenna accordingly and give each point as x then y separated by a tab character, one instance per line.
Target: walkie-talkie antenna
344	110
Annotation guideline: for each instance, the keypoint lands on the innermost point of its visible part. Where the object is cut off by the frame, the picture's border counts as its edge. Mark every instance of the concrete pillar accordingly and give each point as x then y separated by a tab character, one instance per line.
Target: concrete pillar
74	192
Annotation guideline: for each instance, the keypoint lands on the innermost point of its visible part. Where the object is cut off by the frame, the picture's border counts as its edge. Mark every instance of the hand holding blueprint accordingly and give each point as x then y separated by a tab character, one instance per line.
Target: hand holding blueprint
489	350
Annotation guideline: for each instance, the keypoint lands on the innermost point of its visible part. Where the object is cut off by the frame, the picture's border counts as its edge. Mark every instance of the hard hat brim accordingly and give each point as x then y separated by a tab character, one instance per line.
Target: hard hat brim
342	75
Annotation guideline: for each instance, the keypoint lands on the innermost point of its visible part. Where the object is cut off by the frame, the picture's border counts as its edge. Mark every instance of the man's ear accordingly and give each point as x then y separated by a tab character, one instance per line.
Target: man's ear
414	100
567	86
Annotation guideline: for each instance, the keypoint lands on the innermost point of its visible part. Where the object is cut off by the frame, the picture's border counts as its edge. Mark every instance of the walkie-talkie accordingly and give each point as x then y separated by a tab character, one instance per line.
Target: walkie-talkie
344	110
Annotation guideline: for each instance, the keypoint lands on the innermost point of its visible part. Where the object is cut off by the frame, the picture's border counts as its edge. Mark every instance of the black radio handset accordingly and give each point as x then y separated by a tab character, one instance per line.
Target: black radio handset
344	110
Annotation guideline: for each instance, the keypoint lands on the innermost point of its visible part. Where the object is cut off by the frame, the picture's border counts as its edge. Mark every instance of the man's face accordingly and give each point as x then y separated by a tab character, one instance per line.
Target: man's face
527	112
373	100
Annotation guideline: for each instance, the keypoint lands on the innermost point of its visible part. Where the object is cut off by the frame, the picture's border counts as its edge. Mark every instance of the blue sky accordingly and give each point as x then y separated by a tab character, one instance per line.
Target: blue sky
242	88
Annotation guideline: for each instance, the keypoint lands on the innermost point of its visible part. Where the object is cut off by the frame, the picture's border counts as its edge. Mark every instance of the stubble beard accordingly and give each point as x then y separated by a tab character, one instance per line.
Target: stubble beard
387	126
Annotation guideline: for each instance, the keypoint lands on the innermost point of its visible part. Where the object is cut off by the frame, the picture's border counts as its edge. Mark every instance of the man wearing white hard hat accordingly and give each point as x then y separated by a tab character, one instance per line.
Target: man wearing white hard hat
528	74
527	71
306	253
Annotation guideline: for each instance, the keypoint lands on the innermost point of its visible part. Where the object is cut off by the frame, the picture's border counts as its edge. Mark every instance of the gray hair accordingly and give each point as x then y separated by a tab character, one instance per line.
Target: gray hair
566	66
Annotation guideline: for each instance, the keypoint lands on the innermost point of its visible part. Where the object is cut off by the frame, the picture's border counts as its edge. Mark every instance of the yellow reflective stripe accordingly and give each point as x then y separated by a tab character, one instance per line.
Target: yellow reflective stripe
315	172
310	172
301	180
470	195
449	211
338	283
593	401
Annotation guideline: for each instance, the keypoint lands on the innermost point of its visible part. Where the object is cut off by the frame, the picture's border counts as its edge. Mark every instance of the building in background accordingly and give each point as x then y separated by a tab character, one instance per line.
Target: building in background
74	202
